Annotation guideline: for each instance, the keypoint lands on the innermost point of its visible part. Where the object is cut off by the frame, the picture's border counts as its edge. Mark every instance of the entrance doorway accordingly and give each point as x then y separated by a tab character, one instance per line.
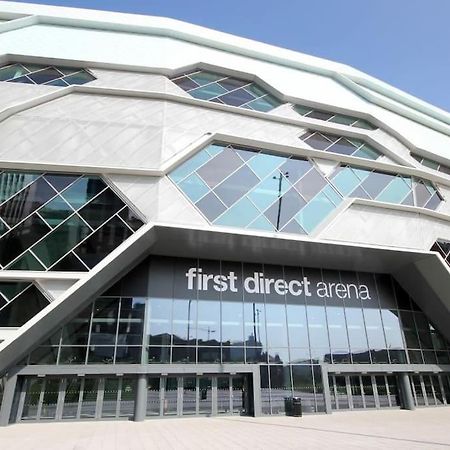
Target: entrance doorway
72	398
113	397
363	392
430	390
199	395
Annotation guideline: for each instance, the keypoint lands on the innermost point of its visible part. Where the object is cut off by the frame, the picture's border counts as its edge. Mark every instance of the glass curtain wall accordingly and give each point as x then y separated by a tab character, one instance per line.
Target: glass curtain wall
286	319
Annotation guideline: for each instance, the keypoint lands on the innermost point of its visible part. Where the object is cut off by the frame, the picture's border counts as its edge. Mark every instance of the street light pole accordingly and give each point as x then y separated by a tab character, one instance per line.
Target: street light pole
280	198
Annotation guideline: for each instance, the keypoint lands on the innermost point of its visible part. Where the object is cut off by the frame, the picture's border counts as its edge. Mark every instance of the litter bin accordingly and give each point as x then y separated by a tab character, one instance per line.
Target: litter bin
293	406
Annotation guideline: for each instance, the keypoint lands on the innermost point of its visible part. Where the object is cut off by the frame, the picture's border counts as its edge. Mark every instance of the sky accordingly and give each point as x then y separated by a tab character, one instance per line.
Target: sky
403	42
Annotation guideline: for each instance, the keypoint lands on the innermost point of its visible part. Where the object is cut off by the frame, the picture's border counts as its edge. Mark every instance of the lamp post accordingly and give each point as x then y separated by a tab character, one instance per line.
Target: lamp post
280	198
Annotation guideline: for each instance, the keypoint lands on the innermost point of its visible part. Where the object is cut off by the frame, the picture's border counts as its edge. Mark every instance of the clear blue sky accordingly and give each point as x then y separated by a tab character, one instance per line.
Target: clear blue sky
403	42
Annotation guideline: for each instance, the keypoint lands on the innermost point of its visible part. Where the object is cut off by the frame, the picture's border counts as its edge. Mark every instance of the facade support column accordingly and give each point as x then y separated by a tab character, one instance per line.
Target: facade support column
326	389
257	409
8	399
406	392
140	404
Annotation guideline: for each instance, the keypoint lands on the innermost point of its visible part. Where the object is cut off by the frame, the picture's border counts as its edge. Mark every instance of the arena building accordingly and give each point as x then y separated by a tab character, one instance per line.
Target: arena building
193	223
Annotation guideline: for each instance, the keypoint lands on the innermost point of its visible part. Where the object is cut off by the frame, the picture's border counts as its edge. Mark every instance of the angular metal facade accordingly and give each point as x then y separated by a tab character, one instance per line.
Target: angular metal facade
298	213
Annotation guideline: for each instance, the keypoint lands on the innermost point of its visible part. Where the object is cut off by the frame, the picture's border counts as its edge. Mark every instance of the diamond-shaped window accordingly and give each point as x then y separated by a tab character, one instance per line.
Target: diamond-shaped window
42	74
226	90
329	116
339	144
258	189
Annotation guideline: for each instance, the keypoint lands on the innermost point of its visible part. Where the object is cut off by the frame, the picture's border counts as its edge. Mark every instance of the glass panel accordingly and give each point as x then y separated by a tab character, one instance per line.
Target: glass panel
303	385
317	325
230	84
264	104
100	354
45	75
23	308
318	142
56	211
417	388
32	396
26	202
211	206
153	399
26	262
428	390
104	322
237	185
110	394
223	396
127	397
44	355
189	166
315	212
280	387
282	211
368	391
105	205
264	164
355	385
346	181
11	288
24	80
395	192
159	328
437	389
72	355
83	190
232	323
341	393
63	238
342	147
383	397
237	98
69	263
218	168
239	393
131	219
170	402
79	78
189	395
156	355
265	390
12	71
376	182
393	390
240	215
101	243
71	398
21	238
205	395
194	187
89	398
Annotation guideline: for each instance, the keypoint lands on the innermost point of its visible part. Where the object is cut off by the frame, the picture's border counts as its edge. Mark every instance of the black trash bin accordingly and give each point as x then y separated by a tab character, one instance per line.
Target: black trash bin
288	406
293	406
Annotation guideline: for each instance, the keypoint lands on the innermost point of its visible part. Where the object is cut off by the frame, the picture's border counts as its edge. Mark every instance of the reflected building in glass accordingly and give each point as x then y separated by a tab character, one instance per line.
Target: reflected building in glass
187	230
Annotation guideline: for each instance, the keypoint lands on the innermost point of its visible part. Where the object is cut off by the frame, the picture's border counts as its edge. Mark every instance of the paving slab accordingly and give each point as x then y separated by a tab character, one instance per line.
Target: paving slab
394	429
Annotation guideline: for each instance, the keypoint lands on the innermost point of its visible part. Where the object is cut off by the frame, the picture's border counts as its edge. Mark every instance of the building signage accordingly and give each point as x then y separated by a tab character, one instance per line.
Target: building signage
257	283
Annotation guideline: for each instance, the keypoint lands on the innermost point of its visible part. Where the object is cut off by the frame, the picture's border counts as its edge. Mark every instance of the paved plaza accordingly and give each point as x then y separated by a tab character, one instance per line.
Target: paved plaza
393	429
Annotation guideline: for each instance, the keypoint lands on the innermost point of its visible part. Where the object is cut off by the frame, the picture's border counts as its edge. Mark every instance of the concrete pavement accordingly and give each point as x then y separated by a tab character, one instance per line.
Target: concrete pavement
394	429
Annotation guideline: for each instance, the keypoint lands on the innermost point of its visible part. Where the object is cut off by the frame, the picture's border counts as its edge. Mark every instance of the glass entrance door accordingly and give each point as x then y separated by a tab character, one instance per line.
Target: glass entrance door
76	398
198	395
363	391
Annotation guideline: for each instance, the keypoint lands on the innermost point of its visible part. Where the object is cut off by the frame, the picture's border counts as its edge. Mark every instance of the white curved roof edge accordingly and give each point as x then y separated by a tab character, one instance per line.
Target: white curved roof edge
133	23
